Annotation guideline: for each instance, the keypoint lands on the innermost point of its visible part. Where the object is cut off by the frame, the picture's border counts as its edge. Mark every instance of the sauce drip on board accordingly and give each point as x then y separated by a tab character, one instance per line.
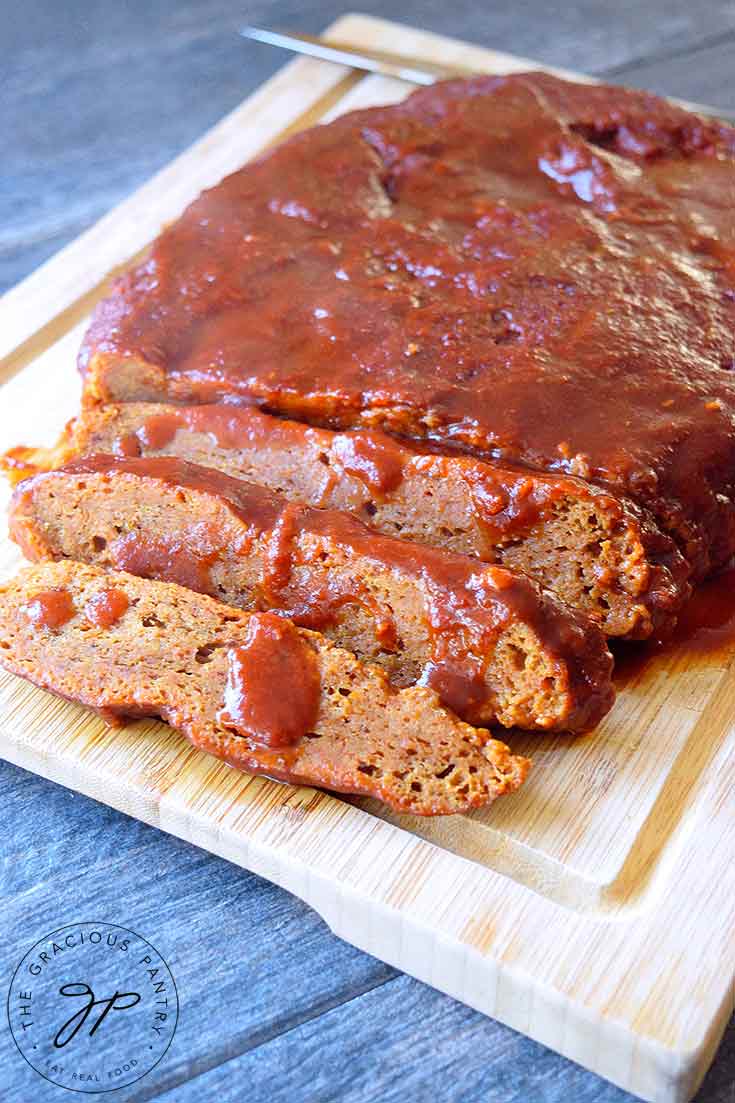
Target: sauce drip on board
705	631
51	609
273	684
707	623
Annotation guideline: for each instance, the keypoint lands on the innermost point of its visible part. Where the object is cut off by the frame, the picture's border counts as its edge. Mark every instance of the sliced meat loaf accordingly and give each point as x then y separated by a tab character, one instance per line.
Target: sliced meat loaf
536	270
251	688
598	553
492	643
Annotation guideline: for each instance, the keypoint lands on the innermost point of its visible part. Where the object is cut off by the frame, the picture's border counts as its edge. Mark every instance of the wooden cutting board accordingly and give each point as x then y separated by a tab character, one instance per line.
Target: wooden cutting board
594	910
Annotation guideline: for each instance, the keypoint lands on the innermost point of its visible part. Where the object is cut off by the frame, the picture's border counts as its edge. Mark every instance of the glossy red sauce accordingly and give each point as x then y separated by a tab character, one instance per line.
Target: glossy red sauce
106	608
460	685
511	502
158	430
127	445
50	609
318	604
705	631
185	559
371	457
280	548
227	427
273	684
536	271
708	621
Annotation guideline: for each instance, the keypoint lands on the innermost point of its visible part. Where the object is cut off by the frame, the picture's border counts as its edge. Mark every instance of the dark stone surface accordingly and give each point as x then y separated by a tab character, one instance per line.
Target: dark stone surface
94	97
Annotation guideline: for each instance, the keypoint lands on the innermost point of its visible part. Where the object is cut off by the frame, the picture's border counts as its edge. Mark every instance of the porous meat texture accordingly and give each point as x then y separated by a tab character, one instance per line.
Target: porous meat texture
597	552
493	645
168	656
523	267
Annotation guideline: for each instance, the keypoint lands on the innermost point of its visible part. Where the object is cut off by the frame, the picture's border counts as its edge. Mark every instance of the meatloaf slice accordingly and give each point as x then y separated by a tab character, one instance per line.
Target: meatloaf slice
492	643
598	553
250	688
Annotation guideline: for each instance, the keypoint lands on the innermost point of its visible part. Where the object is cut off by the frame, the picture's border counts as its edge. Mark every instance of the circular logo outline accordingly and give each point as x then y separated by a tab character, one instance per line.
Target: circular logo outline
46	937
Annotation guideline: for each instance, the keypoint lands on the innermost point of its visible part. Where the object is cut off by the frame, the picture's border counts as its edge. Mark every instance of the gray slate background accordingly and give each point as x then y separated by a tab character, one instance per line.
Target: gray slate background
94	98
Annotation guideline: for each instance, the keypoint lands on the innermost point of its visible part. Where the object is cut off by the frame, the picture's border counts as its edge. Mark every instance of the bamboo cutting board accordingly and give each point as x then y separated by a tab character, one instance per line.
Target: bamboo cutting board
594	910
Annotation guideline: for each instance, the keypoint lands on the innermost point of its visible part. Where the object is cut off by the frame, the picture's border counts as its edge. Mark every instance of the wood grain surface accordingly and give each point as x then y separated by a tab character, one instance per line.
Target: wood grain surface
318	1020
